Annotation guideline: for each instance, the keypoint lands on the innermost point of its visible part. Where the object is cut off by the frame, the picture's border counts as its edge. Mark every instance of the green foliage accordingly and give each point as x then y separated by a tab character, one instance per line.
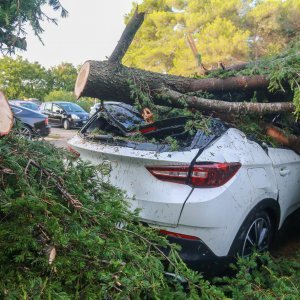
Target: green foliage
140	95
22	79
282	70
199	122
228	31
172	142
95	259
16	14
63	77
60	95
263	278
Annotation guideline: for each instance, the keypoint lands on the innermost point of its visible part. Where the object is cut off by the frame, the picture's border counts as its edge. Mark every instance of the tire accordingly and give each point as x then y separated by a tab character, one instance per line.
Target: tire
255	234
25	131
66	125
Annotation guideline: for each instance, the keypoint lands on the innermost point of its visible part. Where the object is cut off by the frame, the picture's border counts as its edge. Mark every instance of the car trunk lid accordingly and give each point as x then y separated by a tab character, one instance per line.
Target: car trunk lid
160	202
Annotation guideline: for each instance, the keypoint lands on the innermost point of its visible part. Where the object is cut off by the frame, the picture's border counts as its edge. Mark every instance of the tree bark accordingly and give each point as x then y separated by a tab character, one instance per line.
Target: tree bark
236	67
6	116
100	79
104	80
127	37
288	140
229	107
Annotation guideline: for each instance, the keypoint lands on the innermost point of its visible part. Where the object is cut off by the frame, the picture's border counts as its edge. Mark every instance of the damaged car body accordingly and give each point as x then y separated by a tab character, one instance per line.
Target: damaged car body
219	194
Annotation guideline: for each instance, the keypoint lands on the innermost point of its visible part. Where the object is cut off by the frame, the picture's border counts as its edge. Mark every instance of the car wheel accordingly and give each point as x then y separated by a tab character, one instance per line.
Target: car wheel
66	125
25	131
254	235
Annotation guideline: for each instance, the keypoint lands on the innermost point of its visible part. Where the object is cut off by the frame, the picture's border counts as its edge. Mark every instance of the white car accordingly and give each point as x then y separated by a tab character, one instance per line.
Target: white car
220	194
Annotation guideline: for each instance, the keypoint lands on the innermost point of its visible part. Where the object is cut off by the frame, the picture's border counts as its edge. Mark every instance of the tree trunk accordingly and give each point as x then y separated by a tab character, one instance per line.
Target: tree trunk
110	80
127	37
6	116
105	80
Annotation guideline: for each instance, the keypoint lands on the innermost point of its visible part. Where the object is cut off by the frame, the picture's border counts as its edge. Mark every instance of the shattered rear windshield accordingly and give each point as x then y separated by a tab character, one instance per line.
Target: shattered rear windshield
121	124
126	115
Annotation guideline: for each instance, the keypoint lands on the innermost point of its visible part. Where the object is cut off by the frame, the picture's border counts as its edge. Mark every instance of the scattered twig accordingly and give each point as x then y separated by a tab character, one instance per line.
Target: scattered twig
76	204
150	244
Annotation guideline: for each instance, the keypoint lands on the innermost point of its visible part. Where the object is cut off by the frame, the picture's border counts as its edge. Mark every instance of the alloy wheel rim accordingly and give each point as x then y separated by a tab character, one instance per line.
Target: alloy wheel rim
257	237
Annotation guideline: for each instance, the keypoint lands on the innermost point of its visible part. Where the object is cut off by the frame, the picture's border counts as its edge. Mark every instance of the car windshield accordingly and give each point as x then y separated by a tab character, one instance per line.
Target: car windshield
71	107
30	105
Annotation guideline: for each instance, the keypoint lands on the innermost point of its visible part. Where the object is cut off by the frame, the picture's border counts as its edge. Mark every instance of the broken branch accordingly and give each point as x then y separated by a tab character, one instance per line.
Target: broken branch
76	204
127	37
178	99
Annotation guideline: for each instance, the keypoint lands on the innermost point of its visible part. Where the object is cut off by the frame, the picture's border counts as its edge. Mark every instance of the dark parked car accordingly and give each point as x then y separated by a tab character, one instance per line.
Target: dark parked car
64	114
31	122
27	104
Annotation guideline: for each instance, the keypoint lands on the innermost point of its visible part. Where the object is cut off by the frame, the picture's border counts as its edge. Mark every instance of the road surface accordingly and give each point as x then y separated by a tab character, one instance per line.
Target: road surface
60	136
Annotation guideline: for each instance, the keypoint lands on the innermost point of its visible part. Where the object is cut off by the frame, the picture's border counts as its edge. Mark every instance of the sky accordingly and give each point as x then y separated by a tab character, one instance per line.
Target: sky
91	31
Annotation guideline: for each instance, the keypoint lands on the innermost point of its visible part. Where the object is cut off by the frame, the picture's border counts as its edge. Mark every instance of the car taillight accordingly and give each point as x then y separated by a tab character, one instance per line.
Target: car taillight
179	235
46	121
201	175
148	129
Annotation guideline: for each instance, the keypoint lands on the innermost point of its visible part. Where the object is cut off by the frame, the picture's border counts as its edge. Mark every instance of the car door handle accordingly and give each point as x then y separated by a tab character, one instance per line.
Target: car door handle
284	172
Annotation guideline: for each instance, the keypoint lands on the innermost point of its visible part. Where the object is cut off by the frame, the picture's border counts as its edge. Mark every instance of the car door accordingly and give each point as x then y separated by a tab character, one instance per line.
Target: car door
286	165
46	109
57	114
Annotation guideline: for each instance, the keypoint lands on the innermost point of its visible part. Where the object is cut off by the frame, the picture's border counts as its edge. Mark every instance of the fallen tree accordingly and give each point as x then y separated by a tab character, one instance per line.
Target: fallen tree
111	80
6	116
106	80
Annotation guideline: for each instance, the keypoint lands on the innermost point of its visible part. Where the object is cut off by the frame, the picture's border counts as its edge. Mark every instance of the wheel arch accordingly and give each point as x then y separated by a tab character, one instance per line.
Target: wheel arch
27	125
269	205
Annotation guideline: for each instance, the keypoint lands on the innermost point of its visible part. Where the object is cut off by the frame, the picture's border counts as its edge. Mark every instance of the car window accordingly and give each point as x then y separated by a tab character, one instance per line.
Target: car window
71	107
30	105
56	108
48	106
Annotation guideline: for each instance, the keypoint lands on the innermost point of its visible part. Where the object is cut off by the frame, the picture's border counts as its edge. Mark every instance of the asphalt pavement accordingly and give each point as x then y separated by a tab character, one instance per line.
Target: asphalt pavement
60	136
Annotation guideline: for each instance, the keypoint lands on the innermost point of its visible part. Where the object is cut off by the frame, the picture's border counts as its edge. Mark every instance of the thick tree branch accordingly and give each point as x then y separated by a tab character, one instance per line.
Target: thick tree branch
178	99
127	37
99	79
288	140
236	67
230	84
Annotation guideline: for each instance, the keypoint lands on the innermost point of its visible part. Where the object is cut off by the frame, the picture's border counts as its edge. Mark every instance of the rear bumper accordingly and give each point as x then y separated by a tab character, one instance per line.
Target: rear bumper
44	131
198	256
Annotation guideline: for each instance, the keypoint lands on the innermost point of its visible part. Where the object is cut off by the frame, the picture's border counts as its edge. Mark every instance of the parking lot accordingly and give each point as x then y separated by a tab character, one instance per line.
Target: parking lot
60	136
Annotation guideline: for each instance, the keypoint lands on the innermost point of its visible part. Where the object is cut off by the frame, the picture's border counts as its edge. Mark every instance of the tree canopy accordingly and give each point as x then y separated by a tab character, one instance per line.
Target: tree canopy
223	31
63	77
15	14
21	79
